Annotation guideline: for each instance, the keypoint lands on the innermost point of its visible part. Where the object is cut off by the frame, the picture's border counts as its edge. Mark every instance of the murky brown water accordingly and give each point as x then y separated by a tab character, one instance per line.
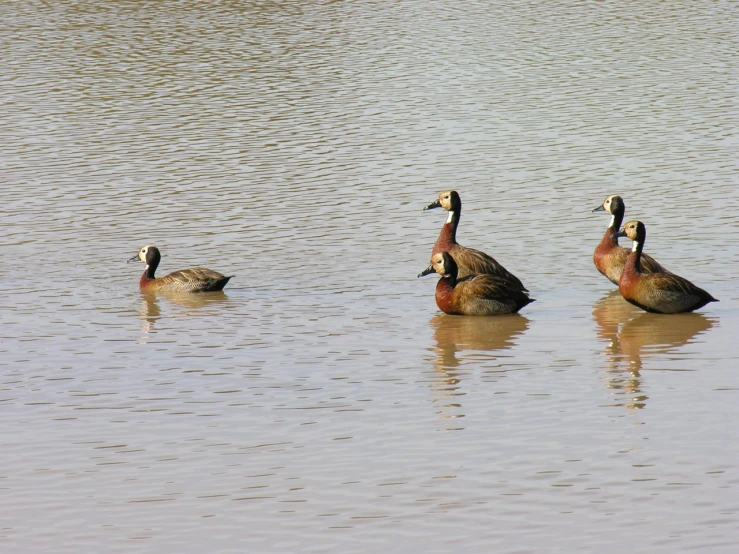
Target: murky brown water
322	403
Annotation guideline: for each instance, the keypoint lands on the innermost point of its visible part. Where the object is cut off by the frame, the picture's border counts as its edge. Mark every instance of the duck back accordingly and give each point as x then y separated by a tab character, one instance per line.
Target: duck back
480	295
663	293
198	279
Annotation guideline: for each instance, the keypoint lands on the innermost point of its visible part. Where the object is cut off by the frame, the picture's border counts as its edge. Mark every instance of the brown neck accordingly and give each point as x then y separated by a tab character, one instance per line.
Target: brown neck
446	284
444	294
145	279
448	235
633	260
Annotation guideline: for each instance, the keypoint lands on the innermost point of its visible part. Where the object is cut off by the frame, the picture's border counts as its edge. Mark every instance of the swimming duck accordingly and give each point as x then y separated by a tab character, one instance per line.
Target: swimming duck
609	257
196	279
474	294
468	260
663	293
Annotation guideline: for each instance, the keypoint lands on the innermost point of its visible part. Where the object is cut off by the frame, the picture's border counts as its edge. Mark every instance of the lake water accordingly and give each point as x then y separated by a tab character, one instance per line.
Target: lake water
322	403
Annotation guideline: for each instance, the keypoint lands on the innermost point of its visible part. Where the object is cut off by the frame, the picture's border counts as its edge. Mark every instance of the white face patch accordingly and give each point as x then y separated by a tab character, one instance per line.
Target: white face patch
143	252
451	215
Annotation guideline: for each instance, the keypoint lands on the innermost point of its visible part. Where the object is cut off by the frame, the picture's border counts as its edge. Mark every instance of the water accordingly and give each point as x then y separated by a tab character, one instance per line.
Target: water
322	403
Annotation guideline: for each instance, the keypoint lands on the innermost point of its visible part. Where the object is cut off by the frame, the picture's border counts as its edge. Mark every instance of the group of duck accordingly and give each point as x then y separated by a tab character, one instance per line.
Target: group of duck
474	283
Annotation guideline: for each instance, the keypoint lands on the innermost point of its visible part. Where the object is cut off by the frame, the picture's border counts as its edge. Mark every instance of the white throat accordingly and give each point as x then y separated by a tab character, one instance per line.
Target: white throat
451	215
613	220
635	246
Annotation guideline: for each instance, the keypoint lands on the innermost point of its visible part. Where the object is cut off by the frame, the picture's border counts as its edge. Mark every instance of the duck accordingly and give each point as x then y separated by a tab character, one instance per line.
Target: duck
468	260
197	279
475	294
662	293
608	256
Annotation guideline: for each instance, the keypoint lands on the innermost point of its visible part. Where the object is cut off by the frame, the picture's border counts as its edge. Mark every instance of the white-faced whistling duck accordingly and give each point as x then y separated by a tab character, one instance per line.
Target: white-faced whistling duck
663	293
468	260
196	279
609	257
474	294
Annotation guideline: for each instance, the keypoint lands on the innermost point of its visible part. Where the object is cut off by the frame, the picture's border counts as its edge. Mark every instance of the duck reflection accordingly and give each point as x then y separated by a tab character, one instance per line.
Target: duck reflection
633	335
150	309
656	333
455	335
610	312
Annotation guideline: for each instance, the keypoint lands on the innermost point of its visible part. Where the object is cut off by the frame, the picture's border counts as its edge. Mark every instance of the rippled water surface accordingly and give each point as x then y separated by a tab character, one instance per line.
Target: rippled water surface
322	403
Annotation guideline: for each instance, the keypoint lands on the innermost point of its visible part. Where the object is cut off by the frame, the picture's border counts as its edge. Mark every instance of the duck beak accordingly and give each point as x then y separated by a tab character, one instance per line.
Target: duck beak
434	204
599	209
135	258
429	269
621	233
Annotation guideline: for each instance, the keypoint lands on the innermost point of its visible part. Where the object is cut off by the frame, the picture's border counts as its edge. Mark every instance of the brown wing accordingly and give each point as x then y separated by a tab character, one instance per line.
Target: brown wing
196	274
489	295
666	293
486	286
476	262
198	279
650	265
674	284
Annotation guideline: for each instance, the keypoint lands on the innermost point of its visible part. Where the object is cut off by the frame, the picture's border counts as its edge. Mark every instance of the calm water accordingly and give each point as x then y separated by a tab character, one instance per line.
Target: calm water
322	403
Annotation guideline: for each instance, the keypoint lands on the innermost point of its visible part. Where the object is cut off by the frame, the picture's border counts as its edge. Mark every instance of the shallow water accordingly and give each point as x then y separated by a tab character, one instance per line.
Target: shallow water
322	403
